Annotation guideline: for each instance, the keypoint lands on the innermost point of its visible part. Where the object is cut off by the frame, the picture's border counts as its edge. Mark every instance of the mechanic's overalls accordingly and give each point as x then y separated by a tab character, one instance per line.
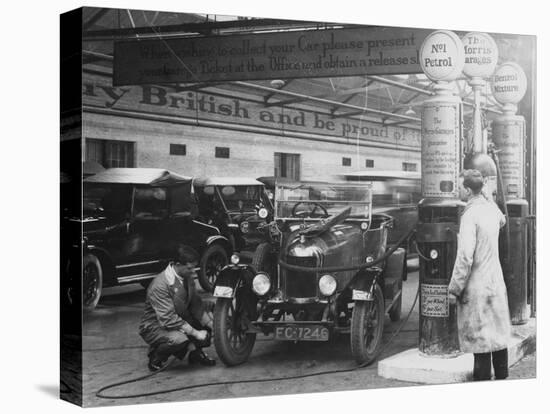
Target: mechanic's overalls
188	306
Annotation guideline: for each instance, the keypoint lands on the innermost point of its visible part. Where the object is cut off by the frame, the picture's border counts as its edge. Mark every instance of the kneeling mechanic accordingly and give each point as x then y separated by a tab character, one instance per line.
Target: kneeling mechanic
174	321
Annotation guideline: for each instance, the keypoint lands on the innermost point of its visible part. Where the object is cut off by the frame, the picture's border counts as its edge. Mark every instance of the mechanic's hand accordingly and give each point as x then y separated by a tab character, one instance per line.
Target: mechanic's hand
200	335
452	299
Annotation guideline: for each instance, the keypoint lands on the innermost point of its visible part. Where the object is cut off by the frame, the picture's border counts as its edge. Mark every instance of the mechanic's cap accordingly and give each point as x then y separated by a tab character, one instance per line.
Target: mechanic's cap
472	179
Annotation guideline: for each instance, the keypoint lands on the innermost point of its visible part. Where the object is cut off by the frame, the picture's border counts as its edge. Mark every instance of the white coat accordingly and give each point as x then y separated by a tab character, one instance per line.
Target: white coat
482	310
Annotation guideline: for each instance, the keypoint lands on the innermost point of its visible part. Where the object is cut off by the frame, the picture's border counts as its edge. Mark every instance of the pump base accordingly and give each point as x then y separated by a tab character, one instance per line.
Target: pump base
413	366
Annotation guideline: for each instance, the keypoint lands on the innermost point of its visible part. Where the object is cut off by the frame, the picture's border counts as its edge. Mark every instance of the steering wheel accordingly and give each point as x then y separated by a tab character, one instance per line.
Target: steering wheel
308	213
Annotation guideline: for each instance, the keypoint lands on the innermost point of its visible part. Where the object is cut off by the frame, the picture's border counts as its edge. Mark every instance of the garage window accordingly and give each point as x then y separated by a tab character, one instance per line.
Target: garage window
346	162
409	166
369	163
110	154
178	149
287	165
222	152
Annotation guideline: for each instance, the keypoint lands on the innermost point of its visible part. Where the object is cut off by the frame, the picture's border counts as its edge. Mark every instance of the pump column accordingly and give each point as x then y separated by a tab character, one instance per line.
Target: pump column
442	60
481	56
509	86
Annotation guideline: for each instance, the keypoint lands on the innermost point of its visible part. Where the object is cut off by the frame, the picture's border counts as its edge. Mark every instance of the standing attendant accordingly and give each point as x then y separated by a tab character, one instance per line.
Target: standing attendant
477	284
174	321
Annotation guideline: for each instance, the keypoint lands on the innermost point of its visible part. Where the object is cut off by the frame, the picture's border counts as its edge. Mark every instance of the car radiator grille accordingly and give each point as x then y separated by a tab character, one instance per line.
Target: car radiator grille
301	284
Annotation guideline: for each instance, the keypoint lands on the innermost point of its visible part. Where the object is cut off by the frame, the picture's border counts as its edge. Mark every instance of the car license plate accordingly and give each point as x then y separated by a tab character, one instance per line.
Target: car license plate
301	333
223	292
361	295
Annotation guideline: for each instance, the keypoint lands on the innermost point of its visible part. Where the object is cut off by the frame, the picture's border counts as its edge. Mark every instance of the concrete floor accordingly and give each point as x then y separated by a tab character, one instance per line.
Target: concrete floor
113	351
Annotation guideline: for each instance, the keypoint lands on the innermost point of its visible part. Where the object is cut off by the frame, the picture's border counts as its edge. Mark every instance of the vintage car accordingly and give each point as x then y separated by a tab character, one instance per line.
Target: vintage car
131	221
397	194
237	206
315	279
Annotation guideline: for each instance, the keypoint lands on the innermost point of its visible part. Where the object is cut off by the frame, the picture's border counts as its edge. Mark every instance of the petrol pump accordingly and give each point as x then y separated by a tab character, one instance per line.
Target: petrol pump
509	86
442	60
481	56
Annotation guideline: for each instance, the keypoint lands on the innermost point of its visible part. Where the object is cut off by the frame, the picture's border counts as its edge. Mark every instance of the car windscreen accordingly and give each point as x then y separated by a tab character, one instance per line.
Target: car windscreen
241	197
322	200
395	193
106	200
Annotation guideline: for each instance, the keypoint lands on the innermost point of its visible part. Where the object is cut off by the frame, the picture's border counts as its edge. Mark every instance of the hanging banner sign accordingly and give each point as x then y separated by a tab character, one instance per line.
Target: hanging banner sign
440	150
280	55
226	108
435	300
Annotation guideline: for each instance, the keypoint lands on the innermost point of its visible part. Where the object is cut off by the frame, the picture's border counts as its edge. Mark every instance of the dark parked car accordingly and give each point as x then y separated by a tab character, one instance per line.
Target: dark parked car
132	219
308	285
237	206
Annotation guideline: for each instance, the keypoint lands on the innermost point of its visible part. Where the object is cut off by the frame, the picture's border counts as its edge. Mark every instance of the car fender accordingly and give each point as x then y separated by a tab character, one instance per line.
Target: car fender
224	241
363	279
234	277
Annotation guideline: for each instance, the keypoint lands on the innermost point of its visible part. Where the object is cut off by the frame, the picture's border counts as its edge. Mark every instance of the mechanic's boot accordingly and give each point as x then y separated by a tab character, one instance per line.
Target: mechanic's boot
199	357
155	362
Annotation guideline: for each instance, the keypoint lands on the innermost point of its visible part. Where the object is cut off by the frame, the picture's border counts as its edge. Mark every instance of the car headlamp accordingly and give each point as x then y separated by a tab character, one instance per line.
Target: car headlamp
327	285
262	213
235	259
434	254
244	227
261	284
369	259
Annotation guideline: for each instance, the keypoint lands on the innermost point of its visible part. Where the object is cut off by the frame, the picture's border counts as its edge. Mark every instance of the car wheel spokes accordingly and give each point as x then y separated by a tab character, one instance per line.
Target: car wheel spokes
90	284
235	333
371	326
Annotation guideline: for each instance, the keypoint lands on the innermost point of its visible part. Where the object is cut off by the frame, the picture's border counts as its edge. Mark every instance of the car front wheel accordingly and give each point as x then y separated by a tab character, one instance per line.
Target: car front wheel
232	341
367	327
213	260
92	281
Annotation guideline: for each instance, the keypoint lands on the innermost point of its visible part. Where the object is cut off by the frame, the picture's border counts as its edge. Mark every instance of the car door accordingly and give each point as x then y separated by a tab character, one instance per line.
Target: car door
180	226
145	236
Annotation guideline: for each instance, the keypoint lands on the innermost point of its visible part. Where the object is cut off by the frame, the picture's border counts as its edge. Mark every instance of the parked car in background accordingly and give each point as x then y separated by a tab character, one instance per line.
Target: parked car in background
396	193
237	206
309	285
132	219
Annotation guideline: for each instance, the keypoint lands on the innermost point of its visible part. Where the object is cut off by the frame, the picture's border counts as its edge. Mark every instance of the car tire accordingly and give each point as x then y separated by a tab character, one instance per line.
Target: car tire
213	260
233	348
264	259
367	327
92	281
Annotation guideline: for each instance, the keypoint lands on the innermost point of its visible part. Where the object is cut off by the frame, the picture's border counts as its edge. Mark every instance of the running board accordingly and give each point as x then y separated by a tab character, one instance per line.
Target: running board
135	278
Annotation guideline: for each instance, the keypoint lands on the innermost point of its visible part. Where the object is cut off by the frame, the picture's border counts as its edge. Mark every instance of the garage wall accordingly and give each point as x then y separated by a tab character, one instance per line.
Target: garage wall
251	153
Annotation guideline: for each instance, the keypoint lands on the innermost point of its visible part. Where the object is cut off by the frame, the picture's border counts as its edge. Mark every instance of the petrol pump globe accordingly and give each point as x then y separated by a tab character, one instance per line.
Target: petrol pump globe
481	55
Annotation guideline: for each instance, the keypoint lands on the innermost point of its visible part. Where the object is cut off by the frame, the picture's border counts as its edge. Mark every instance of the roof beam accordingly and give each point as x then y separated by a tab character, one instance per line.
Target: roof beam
400	85
323	100
270	95
94	19
185	28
